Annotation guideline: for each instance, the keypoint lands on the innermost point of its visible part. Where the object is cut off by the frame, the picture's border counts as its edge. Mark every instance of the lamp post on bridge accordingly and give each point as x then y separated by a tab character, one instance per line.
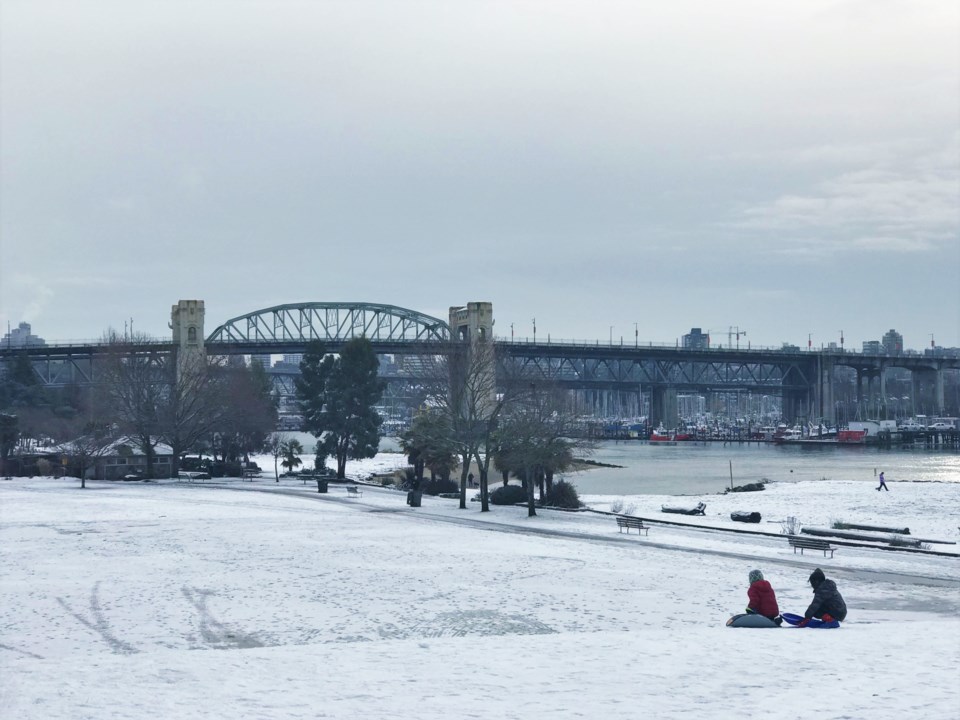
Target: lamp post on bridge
534	330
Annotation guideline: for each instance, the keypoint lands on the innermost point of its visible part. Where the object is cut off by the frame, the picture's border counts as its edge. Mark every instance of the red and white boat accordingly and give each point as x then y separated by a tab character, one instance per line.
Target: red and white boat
852	437
662	437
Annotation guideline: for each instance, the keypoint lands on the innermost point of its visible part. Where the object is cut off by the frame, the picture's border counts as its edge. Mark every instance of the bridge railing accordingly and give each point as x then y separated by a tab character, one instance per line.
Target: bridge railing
516	340
657	344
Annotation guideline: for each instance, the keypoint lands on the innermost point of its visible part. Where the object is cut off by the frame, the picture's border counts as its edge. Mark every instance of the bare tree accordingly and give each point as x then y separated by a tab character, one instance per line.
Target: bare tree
137	384
249	411
461	383
192	408
86	450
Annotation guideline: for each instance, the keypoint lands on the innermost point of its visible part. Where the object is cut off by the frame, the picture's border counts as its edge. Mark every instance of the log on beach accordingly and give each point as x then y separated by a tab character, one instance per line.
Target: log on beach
698	509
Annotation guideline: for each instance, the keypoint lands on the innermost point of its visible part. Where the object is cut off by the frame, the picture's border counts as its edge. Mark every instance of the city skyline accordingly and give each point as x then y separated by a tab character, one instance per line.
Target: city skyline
605	170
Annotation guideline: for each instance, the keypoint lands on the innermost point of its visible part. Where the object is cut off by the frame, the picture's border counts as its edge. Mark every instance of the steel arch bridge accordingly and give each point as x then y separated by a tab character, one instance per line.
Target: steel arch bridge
281	326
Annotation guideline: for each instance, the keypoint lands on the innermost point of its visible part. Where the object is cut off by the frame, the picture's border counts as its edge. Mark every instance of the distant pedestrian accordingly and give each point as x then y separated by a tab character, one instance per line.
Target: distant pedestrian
470	479
883	485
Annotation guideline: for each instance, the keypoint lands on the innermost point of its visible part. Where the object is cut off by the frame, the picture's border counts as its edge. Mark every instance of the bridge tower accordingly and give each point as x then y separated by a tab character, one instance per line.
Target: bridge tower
473	322
473	373
186	322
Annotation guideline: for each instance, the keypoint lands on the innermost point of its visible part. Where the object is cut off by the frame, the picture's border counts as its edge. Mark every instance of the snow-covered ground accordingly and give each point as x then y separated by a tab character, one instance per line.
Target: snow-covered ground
256	599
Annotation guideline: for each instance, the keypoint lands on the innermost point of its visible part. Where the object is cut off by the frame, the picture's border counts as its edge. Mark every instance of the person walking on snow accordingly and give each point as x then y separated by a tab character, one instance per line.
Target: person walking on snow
763	601
883	485
828	604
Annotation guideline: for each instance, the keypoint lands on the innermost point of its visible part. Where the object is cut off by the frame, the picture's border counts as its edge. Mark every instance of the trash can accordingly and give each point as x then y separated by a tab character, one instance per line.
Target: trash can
413	498
321	485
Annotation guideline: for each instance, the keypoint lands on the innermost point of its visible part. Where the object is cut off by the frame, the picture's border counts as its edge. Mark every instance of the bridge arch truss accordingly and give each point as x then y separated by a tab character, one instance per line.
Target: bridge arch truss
333	322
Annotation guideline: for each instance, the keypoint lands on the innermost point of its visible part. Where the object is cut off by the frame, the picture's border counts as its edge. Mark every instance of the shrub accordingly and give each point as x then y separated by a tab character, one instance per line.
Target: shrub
435	487
44	467
563	495
617	506
508	495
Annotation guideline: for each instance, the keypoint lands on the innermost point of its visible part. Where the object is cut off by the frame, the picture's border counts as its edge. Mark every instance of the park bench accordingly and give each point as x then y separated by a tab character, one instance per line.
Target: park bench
353	490
632	522
810	544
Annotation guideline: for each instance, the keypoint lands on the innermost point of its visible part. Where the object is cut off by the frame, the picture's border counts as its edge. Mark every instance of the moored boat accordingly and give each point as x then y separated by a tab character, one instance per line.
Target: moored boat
661	437
851	437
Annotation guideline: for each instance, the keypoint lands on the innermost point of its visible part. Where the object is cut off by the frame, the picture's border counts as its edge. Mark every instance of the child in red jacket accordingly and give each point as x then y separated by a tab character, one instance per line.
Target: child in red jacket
763	601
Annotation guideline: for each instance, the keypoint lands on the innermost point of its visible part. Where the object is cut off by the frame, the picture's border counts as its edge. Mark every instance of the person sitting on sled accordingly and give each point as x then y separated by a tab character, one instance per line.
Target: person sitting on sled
763	601
828	604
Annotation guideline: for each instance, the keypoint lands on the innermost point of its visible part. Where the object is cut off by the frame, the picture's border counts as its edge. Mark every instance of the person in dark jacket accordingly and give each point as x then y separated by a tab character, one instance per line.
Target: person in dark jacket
763	601
827	602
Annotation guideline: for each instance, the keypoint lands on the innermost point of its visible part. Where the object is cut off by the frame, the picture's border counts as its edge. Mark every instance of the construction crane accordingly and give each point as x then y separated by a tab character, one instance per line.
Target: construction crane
735	330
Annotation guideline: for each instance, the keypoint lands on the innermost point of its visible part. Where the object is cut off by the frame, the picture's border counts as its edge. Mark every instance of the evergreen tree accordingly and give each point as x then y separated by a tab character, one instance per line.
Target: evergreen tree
249	412
20	387
9	435
337	396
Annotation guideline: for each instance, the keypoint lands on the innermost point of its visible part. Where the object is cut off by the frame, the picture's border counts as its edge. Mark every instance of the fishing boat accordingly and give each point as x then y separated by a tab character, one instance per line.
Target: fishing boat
851	437
661	437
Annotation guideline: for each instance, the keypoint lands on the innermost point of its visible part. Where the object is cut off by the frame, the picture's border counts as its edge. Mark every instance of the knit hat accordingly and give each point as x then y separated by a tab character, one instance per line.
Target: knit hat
755	575
817	577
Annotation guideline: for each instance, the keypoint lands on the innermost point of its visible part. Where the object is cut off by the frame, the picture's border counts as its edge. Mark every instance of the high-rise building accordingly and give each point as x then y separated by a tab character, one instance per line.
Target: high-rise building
20	337
263	360
872	347
294	359
696	339
892	342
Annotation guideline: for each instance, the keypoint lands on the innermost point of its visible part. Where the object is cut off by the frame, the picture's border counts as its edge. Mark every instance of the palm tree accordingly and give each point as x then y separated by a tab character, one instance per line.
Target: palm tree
290	452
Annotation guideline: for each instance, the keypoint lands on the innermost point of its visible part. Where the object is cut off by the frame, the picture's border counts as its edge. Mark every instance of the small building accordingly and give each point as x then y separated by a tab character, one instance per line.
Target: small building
120	458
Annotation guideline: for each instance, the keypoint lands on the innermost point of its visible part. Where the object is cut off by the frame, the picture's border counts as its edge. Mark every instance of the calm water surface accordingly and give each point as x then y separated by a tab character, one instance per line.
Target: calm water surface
697	468
693	469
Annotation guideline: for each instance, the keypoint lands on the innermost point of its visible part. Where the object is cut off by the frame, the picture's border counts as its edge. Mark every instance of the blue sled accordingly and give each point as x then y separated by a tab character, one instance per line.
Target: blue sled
792	619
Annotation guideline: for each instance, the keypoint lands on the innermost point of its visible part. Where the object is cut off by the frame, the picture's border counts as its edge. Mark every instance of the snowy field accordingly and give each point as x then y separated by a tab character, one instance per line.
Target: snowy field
256	599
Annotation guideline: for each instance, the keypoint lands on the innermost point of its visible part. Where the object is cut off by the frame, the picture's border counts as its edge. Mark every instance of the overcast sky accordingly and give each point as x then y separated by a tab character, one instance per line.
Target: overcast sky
791	169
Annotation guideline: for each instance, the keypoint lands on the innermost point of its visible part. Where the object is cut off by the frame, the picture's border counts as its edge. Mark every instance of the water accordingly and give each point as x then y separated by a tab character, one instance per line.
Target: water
694	469
698	468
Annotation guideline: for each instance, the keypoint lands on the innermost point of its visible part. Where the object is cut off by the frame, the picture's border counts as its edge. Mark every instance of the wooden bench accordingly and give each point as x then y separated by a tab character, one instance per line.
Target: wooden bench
810	544
354	491
632	522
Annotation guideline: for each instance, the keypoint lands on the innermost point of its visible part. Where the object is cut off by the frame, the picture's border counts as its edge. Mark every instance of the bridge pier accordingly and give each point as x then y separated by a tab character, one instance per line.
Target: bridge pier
663	407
